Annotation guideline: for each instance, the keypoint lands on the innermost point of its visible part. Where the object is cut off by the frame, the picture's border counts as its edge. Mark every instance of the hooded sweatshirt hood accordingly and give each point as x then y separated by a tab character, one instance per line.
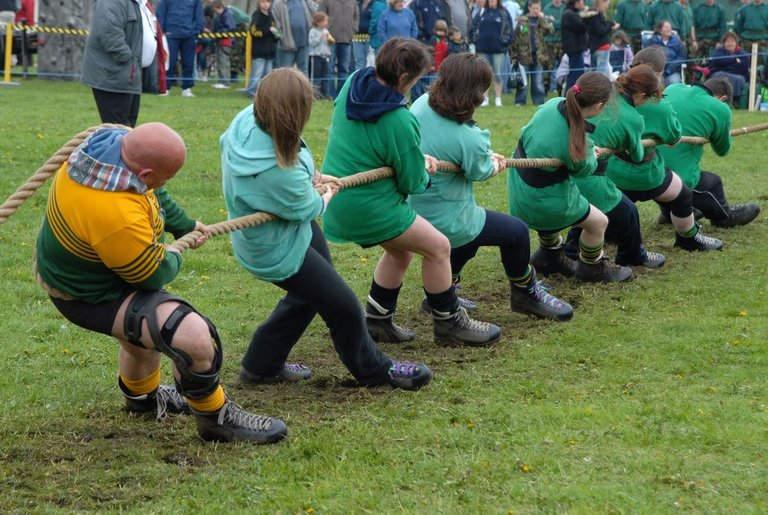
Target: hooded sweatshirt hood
97	163
368	100
247	150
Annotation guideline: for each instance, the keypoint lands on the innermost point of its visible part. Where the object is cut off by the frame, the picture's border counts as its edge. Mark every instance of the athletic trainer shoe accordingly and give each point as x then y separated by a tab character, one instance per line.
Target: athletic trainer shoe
548	261
232	423
740	214
604	271
166	399
537	301
459	328
382	328
408	376
291	373
187	93
654	260
699	242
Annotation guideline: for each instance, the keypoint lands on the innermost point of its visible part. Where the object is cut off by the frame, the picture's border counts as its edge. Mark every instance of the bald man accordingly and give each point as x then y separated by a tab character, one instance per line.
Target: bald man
102	258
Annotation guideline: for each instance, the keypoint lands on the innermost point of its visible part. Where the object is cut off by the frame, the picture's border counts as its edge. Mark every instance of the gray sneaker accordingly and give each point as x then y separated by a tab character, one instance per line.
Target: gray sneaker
166	399
381	327
408	376
459	328
291	373
233	424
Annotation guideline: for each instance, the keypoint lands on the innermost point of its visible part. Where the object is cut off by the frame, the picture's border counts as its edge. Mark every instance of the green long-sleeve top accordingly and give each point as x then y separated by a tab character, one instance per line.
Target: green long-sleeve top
449	203
560	205
556	12
751	22
377	211
618	127
709	21
661	125
699	114
632	15
668	10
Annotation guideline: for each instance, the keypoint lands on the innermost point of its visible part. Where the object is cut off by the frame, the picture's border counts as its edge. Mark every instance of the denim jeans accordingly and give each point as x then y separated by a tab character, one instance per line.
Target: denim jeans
360	54
299	57
184	47
575	68
536	83
317	289
260	67
601	62
341	55
318	72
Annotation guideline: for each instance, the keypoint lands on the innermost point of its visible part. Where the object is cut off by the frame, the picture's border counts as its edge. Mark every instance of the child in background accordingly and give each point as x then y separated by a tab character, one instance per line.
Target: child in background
264	35
621	45
320	55
456	42
440	43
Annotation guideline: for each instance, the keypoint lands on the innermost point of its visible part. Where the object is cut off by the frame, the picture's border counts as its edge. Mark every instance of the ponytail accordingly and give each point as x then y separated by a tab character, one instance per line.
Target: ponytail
590	89
640	79
577	132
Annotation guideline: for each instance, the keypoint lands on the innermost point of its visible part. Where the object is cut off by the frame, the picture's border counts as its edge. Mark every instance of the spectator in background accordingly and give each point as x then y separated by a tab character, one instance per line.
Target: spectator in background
378	7
621	45
343	23
492	32
599	38
264	35
320	41
675	51
687	32
751	24
294	19
458	13
427	13
631	15
731	62
456	42
439	43
396	21
224	22
710	26
554	13
361	41
530	51
573	30
181	21
115	54
670	11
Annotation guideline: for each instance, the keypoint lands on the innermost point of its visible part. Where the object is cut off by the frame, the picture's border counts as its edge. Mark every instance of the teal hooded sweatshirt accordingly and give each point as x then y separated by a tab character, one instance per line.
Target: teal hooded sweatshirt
253	181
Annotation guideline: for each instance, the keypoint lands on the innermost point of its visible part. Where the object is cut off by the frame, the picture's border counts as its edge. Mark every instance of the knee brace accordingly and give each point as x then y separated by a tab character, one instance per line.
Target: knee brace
681	207
143	306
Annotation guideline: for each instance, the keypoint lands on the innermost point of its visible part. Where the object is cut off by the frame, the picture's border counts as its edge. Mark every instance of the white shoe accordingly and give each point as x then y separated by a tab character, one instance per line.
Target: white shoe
163	94
219	85
498	101
187	93
485	102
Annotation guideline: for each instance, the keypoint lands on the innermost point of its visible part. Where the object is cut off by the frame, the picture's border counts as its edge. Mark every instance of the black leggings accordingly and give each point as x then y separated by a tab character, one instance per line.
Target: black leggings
317	289
508	233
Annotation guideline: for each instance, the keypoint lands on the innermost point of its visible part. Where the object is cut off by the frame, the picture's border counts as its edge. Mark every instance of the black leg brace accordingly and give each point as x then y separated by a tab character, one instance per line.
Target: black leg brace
143	306
681	207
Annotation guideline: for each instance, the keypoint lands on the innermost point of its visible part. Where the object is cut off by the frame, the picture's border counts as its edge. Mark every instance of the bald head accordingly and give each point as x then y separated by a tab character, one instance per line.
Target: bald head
154	152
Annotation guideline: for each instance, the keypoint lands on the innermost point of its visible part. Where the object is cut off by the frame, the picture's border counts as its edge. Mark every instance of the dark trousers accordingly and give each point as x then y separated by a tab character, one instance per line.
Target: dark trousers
508	233
341	57
122	108
184	48
317	289
318	72
623	230
709	197
575	68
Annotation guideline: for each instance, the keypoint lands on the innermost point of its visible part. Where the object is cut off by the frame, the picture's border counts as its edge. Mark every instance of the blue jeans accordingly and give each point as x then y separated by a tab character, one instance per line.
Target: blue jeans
299	57
184	47
601	62
321	81
341	55
360	54
260	67
575	68
536	82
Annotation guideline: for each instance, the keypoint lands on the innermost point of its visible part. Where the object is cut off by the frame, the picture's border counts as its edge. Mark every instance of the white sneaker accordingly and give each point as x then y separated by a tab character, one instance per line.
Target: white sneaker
219	85
498	101
187	93
485	102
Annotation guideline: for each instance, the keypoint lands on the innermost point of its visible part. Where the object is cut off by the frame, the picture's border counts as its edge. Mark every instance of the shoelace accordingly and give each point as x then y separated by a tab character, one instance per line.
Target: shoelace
235	415
706	240
545	297
402	369
653	256
295	367
470	323
168	396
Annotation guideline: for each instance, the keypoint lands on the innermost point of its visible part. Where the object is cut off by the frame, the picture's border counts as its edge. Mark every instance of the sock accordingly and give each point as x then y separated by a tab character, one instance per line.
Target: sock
143	386
445	301
550	241
524	280
590	254
690	233
384	300
210	403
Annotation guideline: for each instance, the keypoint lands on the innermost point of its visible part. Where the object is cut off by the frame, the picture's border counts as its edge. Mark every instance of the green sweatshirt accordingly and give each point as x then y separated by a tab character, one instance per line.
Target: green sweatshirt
709	21
751	22
631	15
560	205
449	203
660	124
700	114
668	10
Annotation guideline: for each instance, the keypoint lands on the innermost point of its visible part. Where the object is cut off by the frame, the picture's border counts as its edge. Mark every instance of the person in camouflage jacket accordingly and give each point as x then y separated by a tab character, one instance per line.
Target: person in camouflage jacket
530	50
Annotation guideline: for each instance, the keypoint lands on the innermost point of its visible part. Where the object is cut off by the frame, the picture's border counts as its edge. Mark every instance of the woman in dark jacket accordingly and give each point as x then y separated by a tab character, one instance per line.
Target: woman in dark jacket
674	48
492	33
573	31
731	62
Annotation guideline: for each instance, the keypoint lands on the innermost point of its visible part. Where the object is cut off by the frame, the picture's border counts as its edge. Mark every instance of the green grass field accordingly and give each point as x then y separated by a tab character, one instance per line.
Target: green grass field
653	399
